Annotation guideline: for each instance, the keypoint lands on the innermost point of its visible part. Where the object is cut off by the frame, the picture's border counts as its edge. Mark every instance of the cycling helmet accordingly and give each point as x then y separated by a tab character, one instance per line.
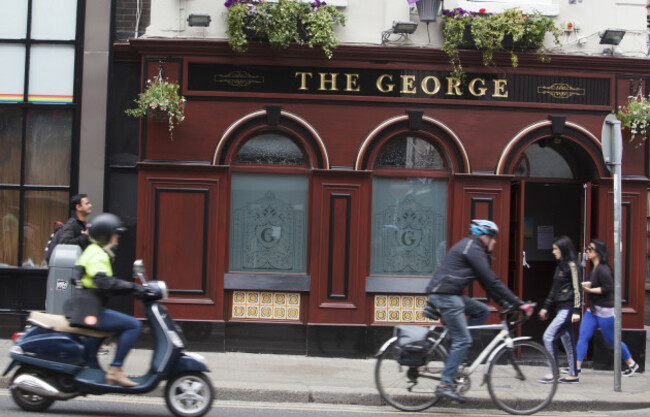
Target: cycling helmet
104	226
483	227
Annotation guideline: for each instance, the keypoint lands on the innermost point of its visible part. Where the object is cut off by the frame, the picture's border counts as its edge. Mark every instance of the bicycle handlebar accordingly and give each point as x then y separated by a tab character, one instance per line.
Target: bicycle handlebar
516	313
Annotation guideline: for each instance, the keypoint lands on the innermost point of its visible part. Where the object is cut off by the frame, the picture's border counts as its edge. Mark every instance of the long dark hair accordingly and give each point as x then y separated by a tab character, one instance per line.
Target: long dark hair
567	250
601	250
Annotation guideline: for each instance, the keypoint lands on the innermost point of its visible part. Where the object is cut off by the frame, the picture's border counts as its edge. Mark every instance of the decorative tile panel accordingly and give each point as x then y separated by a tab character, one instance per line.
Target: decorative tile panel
400	309
265	305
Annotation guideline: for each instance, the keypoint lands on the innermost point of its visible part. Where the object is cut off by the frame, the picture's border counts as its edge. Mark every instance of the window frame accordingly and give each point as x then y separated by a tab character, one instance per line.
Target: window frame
25	106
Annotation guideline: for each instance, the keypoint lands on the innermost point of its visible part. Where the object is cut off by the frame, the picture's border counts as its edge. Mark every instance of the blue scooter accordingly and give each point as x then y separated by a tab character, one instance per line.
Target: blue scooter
54	363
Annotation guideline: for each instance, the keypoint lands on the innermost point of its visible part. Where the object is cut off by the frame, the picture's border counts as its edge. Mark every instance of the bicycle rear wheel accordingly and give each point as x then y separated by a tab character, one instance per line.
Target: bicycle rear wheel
514	378
409	388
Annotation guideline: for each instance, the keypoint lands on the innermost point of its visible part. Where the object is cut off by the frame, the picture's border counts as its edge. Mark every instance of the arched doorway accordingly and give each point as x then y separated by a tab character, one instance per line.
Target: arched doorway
555	176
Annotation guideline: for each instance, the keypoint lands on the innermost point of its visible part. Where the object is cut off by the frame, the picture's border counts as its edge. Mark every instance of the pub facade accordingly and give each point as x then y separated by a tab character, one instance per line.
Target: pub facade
305	202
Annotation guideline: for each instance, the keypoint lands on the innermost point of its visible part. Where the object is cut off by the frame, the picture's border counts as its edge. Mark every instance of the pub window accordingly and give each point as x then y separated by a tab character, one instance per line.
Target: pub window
546	159
38	113
409	209
268	213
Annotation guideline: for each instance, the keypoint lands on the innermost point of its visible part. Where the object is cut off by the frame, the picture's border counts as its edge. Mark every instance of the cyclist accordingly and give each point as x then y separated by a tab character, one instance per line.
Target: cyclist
466	261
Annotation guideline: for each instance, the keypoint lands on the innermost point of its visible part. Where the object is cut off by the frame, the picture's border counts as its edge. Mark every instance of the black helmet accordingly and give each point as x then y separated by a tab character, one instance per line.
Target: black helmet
104	226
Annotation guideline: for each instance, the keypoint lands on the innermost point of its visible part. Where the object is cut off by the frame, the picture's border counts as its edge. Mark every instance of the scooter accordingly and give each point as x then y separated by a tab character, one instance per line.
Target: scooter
55	364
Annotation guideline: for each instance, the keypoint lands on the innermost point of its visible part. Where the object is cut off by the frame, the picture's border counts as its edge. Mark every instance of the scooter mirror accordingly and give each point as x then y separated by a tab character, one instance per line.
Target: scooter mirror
138	270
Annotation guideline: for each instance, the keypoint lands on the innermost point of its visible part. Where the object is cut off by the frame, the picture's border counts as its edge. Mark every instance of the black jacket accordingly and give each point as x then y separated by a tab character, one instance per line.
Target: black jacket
71	233
565	291
602	277
466	261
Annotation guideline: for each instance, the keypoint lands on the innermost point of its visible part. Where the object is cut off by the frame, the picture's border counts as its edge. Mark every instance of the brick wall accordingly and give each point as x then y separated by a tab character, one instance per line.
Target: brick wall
125	18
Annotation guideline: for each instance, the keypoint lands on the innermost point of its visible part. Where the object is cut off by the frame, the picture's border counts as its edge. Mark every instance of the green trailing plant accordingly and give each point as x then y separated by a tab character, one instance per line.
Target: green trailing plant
282	23
509	31
160	99
635	116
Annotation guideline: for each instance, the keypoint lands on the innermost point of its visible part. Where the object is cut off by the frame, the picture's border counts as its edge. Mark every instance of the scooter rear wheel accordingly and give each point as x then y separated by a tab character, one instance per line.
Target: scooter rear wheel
28	401
189	394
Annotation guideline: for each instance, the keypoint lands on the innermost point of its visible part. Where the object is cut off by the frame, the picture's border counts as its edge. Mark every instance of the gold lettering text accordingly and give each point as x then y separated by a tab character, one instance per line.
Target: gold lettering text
352	82
407	84
500	88
303	79
331	81
385	88
453	87
481	90
425	85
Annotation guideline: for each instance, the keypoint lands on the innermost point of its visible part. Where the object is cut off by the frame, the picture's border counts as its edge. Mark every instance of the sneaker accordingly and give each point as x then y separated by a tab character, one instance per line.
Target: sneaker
546	380
569	381
568	371
449	392
631	370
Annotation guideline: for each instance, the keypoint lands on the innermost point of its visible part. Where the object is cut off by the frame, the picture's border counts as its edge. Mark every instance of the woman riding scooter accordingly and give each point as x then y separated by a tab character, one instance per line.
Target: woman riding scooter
96	259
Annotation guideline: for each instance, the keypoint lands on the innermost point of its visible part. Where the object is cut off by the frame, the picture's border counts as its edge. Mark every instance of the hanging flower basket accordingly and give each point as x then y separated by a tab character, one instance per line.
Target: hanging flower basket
160	102
157	115
635	116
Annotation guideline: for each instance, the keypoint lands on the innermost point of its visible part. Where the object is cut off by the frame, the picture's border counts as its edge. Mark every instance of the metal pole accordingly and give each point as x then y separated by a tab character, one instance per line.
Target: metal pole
617	258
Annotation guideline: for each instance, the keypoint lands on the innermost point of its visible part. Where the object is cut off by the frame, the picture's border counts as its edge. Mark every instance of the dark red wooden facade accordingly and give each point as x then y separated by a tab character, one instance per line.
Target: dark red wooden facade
184	198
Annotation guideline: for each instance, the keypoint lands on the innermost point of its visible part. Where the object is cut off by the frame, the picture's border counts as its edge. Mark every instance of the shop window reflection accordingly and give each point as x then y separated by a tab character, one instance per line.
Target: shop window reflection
270	148
545	159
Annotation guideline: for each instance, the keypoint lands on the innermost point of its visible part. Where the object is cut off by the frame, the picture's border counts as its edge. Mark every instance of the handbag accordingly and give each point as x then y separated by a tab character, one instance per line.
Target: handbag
84	308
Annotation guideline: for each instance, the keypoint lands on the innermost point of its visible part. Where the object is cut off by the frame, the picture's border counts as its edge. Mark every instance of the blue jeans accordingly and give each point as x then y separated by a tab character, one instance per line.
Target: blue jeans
128	328
588	326
453	309
561	328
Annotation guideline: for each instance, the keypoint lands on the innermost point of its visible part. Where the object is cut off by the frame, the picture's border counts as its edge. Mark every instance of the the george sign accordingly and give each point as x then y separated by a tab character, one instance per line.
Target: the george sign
404	83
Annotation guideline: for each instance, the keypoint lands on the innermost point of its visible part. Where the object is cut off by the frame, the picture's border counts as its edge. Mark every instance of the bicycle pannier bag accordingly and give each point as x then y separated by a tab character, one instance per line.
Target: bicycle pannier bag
413	345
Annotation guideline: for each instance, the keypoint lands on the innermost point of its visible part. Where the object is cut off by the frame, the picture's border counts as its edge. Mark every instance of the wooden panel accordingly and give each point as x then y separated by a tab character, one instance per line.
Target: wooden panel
338	276
338	272
180	236
483	198
633	240
181	233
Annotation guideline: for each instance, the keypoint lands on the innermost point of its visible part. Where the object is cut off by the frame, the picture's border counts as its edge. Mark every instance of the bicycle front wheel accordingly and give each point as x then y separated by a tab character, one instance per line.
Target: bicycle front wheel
409	388
516	378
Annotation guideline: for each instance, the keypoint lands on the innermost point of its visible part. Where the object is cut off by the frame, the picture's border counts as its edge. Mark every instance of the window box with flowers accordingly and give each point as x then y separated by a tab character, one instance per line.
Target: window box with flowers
510	31
635	116
160	102
282	23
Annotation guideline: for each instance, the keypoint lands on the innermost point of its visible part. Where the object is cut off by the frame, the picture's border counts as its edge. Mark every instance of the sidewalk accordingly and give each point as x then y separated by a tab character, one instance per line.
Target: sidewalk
289	378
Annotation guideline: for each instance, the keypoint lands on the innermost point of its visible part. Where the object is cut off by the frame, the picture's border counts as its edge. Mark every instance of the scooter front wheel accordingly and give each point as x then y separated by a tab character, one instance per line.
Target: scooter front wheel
189	394
28	401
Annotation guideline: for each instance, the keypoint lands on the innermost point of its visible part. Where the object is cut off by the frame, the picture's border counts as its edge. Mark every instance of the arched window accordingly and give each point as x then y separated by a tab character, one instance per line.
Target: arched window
268	212
409	208
546	159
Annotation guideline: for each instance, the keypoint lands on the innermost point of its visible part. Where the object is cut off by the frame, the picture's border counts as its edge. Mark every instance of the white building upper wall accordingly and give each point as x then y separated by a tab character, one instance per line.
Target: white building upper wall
367	19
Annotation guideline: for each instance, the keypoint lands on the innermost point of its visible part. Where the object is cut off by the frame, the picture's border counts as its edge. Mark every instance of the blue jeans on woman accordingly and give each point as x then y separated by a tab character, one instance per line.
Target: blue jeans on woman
590	322
128	328
453	309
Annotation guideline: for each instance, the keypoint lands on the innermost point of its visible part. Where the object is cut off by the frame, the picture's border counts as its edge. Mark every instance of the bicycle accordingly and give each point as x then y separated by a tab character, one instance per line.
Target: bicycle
514	369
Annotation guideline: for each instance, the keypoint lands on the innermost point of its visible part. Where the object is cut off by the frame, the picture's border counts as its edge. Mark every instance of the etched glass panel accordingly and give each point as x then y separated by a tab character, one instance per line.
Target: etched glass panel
410	153
51	73
13	20
268	227
12	73
542	160
409	225
270	148
54	19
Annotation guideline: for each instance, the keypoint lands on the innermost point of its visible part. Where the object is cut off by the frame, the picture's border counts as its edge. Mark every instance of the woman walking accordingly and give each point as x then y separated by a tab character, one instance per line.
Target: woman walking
565	297
600	313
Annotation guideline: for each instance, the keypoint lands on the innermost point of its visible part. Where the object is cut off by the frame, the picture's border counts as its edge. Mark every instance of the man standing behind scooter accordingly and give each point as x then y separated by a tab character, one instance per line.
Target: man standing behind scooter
74	231
98	276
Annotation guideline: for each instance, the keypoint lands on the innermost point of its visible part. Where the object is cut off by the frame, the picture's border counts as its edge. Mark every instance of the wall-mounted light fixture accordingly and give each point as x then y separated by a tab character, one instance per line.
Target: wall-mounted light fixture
611	36
399	28
200	20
